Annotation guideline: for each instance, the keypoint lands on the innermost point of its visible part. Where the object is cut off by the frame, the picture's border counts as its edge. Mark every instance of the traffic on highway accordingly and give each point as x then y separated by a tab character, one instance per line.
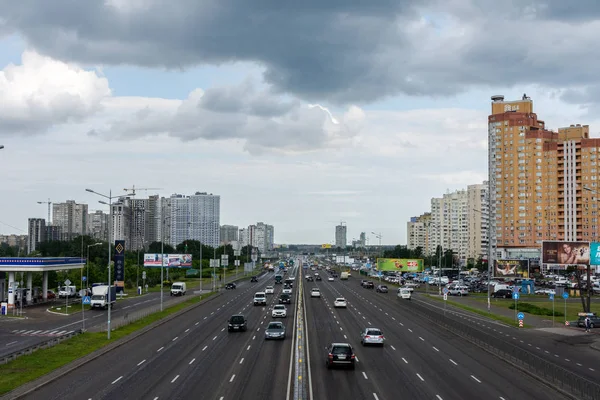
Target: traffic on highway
299	332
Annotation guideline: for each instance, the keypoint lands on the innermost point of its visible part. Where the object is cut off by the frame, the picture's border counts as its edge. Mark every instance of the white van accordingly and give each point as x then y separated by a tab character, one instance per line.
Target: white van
404	293
178	289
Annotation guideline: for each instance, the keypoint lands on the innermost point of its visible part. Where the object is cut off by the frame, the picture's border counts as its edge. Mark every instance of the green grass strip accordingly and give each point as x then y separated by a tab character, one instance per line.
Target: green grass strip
32	366
501	318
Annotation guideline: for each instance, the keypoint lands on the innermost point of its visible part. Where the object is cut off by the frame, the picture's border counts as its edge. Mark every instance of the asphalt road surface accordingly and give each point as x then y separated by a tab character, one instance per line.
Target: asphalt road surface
16	334
193	355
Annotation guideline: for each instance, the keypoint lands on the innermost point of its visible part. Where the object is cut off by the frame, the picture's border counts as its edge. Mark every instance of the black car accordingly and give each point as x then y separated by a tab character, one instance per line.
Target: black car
318	278
369	285
253	279
502	294
340	355
230	286
237	323
285	298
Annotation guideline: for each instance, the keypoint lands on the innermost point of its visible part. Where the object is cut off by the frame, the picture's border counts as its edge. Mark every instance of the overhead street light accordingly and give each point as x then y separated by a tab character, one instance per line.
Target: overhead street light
87	261
1	146
109	197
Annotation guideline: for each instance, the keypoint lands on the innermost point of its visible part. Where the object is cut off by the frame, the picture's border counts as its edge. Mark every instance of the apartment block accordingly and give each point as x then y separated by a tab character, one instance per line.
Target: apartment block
195	217
229	233
477	221
261	236
13	240
418	232
36	233
97	225
340	236
71	217
544	183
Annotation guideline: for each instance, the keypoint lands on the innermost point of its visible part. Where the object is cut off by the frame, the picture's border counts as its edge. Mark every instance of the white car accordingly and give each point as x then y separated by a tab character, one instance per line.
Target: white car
330	279
315	292
340	302
279	311
287	291
269	290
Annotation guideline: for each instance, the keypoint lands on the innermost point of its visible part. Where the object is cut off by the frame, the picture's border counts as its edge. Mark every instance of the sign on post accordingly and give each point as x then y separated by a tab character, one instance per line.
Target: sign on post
445	296
214	263
551	296
565	295
520	315
237	253
516	296
143	274
224	260
84	278
237	263
445	290
86	300
67	282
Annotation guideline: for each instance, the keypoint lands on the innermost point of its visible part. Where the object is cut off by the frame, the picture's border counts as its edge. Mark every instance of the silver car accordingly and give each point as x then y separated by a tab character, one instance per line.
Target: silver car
275	330
372	336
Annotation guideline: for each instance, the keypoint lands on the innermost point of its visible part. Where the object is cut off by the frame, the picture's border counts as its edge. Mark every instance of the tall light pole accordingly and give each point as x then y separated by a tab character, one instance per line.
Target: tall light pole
109	228
1	146
87	261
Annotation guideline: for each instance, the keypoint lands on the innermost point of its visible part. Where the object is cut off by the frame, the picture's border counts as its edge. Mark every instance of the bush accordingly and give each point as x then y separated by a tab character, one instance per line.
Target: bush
535	310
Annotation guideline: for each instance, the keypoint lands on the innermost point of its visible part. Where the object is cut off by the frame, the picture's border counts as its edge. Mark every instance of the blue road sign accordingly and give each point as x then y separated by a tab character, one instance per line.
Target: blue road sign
551	295
445	290
426	279
516	289
84	278
516	296
565	295
520	315
86	300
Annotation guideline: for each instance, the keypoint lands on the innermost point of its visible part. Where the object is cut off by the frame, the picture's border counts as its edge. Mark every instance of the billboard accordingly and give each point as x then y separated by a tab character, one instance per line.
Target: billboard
565	253
400	264
595	253
326	246
119	260
170	260
511	269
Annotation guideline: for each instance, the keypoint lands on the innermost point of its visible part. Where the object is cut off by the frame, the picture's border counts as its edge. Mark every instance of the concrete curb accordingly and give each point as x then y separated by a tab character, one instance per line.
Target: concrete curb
595	345
42	381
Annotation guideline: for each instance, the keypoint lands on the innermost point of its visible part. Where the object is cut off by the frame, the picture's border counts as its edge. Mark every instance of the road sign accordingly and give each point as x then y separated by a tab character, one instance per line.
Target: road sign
516	296
237	253
520	323
237	263
84	278
565	295
567	323
426	279
86	300
516	289
143	274
445	290
520	315
214	263
445	296
67	282
551	295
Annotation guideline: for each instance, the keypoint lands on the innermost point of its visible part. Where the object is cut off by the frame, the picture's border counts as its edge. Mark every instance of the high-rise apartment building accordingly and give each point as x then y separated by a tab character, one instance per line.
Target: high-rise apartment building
340	236
195	217
98	225
538	180
36	233
229	233
13	240
261	236
363	239
121	221
418	232
477	221
71	217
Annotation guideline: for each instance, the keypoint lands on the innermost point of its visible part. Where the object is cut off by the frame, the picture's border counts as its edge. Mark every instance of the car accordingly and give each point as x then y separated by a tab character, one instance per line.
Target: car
340	302
369	285
237	322
330	279
285	298
230	286
254	279
459	290
269	290
381	289
318	278
287	291
372	336
260	298
340	355
275	330
309	278
502	294
279	310
315	292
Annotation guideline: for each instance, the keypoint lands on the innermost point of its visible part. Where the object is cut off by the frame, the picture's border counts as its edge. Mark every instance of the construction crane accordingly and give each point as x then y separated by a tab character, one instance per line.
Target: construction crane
49	207
131	191
378	236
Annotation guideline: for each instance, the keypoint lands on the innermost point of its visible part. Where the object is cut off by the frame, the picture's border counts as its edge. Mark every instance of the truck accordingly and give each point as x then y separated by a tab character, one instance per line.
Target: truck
67	291
344	275
100	298
178	289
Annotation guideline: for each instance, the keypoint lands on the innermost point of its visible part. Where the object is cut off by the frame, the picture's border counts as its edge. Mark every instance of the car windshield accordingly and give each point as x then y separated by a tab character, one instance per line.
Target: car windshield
279	307
374	332
315	290
176	286
340	299
275	325
237	319
340	350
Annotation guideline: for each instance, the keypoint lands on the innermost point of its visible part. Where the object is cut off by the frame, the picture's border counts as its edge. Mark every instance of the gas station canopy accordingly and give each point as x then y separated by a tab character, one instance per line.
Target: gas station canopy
39	264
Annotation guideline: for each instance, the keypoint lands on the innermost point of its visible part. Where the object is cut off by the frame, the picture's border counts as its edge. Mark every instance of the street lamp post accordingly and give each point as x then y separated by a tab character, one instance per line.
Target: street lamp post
87	262
109	228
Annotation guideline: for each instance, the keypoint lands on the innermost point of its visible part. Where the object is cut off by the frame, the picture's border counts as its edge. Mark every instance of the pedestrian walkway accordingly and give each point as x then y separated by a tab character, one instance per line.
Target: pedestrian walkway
47	333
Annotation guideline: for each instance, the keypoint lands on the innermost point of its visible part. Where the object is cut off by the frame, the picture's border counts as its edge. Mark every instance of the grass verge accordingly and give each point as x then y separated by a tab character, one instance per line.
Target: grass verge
72	309
30	367
501	318
535	310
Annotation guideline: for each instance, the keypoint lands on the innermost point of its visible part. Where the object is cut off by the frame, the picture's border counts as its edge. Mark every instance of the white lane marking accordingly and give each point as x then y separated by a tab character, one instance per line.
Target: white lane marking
579	364
365	375
253	337
566	359
401	324
126	307
212	313
421	339
502	398
204	348
404	359
160	349
205	317
187	330
437	396
117	380
421	378
375	396
11	343
214	338
174	379
410	330
591	369
393	348
248	348
345	337
241	361
232	378
196	323
175	338
191	362
356	358
141	362
222	329
452	361
478	381
435	348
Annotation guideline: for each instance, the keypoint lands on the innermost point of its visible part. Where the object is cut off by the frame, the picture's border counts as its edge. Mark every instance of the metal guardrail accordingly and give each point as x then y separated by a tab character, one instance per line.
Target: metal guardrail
554	375
300	392
43	345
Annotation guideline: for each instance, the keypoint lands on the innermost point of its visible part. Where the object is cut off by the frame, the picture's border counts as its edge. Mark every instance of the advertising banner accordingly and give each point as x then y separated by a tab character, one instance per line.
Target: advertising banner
326	246
595	253
400	264
511	269
119	259
565	253
170	260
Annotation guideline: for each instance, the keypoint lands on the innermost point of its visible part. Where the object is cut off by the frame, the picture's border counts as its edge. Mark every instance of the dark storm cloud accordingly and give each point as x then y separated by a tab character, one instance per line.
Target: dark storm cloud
340	51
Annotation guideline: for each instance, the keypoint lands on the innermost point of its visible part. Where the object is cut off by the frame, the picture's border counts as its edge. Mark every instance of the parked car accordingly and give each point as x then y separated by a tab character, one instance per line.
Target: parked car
502	294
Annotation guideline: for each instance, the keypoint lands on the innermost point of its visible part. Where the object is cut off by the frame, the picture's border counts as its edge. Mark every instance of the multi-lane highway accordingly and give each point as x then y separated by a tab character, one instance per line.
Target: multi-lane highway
193	355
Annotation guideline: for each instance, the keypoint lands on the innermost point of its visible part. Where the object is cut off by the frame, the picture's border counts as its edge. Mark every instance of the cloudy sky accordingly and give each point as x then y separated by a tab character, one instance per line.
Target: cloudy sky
298	115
